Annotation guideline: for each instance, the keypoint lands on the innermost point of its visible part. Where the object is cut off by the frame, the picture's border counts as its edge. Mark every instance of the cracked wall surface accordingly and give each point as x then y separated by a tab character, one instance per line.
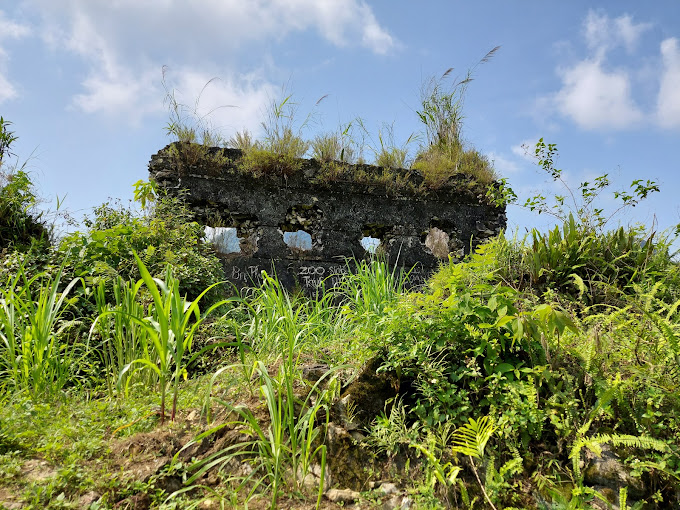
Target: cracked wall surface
303	226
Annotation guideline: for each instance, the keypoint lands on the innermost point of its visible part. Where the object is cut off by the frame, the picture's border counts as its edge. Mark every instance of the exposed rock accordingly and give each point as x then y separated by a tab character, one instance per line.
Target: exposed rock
397	503
314	372
388	488
87	499
366	396
342	495
347	463
608	471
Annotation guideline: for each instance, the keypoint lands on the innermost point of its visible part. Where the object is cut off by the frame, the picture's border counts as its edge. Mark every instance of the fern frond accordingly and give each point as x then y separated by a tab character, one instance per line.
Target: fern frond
642	442
471	438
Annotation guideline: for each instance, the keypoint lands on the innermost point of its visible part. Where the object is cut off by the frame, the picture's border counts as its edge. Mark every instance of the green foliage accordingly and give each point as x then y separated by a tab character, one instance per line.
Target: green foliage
582	202
146	192
389	154
583	264
450	349
263	161
288	446
121	339
7	138
35	356
170	329
20	226
439	165
280	151
471	438
369	287
167	234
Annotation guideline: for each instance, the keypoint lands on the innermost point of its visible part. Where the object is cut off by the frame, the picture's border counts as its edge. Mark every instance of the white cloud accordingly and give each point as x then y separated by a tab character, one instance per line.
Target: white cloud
503	165
668	100
126	42
8	30
229	104
7	90
597	99
593	94
603	33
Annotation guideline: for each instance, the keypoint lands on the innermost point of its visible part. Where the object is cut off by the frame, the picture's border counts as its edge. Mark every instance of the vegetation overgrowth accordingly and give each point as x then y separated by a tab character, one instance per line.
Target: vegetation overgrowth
442	159
538	373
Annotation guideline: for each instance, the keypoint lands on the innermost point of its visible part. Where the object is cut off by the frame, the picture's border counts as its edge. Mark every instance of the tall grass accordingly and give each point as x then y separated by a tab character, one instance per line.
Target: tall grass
171	327
285	447
279	323
122	340
34	355
370	286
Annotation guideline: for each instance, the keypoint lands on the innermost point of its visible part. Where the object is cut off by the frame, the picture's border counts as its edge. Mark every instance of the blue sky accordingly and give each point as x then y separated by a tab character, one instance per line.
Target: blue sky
81	80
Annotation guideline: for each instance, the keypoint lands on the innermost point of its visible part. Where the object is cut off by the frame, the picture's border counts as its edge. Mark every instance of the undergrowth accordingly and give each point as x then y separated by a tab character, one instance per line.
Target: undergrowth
505	379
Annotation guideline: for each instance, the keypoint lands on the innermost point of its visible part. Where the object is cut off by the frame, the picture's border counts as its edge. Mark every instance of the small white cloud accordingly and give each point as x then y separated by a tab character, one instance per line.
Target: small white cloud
115	91
503	165
12	30
668	100
597	99
603	33
7	90
628	32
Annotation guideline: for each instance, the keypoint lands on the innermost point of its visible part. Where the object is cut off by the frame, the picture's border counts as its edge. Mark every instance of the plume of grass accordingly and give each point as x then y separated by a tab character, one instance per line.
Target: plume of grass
242	140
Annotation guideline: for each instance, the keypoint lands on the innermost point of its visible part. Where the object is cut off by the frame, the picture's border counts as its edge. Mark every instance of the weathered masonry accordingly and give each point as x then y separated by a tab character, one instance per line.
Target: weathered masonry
304	225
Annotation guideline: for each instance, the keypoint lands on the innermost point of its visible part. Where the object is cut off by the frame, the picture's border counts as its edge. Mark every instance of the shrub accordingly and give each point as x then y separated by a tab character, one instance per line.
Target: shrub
166	235
20	226
458	356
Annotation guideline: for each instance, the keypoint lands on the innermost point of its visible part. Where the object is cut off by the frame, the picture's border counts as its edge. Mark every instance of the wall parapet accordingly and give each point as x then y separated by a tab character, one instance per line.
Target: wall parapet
303	225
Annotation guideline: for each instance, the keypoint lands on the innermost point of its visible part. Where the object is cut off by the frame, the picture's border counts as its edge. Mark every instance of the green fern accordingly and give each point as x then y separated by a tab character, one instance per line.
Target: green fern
471	438
594	444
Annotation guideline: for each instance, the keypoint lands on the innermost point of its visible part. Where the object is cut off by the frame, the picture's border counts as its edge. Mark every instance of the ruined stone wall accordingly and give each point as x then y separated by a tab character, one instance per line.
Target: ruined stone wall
415	226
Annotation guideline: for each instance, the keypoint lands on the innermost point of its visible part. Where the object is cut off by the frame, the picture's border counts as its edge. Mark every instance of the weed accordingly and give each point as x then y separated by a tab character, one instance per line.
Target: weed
242	140
170	332
442	114
7	138
34	357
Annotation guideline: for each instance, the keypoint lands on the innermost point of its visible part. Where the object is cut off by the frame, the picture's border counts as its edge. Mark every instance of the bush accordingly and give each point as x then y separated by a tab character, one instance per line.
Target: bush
580	264
465	348
166	235
20	226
